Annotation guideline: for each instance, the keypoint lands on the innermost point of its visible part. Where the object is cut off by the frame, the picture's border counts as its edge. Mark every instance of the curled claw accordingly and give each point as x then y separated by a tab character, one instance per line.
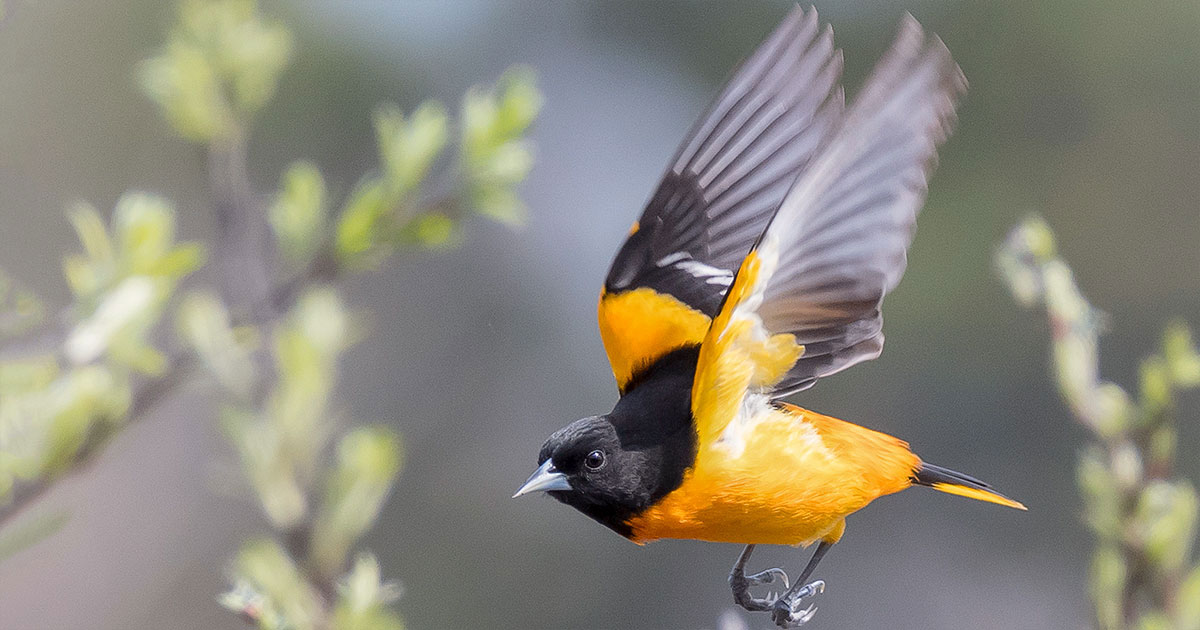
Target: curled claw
768	577
803	616
813	588
784	612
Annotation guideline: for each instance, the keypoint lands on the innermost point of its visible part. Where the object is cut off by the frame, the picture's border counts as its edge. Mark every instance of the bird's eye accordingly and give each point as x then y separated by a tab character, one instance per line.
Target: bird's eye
594	460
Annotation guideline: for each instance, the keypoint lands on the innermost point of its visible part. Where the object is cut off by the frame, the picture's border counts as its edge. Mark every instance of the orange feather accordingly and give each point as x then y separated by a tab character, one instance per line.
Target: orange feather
642	325
781	475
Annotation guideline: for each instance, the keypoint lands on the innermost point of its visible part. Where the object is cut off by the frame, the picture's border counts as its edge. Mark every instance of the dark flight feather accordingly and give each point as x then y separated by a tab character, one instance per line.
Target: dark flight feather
734	168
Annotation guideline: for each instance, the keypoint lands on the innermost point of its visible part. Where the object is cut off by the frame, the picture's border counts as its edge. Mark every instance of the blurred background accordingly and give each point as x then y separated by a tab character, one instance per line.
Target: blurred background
1083	111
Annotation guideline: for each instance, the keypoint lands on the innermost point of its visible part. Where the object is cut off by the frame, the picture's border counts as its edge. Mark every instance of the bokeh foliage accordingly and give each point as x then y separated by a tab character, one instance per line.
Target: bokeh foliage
275	349
61	398
1143	515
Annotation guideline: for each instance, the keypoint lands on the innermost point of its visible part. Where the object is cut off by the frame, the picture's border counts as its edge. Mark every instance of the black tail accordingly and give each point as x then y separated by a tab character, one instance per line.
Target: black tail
951	482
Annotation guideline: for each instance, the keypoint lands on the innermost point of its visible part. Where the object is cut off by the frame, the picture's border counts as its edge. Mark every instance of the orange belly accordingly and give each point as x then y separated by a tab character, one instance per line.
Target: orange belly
779	476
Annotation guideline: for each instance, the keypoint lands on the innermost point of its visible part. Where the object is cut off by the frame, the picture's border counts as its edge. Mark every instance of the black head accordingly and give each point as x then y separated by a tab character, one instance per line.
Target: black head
608	481
585	466
612	467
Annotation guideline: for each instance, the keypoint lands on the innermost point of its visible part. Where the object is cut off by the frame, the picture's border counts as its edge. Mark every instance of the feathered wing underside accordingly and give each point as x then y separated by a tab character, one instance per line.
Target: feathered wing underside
725	182
806	300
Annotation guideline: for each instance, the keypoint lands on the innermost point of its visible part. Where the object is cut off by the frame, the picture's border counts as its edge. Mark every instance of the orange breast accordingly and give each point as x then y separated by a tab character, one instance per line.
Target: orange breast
779	476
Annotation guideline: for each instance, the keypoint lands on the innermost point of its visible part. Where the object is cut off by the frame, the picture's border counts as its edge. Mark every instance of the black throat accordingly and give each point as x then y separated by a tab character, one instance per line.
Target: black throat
654	425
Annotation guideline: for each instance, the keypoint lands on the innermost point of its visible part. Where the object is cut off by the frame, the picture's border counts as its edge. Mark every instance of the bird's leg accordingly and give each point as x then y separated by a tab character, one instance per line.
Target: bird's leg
786	611
740	583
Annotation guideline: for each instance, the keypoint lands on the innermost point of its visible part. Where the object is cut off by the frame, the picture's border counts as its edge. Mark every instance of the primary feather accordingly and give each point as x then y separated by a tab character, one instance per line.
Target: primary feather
734	168
806	301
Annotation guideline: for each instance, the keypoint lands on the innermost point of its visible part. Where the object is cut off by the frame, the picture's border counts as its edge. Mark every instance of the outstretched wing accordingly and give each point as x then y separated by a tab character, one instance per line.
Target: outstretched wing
729	176
805	302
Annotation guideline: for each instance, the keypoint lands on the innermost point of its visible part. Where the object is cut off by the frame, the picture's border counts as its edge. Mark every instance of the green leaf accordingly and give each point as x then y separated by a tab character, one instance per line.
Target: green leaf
203	322
27	374
1188	601
368	459
93	235
478	119
1155	386
124	312
265	569
520	101
78	400
363	598
268	465
221	65
495	156
298	214
320	318
1179	352
1101	494
144	226
1165	521
501	205
408	148
1108	574
186	88
358	225
434	229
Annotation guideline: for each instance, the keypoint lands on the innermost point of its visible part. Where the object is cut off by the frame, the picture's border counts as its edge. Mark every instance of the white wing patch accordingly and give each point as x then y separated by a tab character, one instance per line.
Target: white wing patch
683	261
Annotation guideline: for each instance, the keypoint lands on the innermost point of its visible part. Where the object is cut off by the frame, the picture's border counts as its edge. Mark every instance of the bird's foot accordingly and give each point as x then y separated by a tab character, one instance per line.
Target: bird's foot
786	611
741	584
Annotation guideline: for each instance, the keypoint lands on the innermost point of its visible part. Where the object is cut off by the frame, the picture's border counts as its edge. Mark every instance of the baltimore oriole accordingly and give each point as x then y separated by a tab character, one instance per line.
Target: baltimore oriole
759	266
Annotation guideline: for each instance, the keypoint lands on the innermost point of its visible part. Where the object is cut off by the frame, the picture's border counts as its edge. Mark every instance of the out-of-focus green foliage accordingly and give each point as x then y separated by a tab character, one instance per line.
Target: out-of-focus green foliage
220	66
392	208
298	215
276	353
368	459
495	155
363	600
1144	518
204	323
124	278
281	444
56	401
272	591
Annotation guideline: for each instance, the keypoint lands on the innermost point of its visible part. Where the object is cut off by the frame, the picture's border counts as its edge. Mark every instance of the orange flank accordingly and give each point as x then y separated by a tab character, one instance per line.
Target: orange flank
642	325
789	476
780	475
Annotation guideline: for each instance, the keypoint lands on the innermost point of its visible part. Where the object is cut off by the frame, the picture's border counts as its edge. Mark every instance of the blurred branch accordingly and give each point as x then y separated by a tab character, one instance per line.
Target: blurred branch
1144	518
242	242
271	332
145	399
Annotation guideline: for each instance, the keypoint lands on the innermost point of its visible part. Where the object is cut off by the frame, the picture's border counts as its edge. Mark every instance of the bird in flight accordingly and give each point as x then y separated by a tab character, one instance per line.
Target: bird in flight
757	268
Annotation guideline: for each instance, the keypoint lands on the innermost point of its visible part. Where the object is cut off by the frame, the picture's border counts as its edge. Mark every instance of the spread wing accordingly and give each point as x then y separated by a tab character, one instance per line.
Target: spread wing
805	302
728	178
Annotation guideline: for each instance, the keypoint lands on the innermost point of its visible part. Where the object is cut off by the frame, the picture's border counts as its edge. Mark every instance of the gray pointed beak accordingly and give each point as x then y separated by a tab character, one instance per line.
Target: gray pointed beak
544	479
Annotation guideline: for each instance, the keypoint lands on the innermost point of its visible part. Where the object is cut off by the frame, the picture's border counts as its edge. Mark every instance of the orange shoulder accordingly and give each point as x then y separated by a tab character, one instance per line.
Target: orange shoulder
641	325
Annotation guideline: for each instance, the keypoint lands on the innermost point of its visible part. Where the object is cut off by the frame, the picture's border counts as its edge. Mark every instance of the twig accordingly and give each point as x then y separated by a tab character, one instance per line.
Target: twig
145	399
1125	474
241	230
